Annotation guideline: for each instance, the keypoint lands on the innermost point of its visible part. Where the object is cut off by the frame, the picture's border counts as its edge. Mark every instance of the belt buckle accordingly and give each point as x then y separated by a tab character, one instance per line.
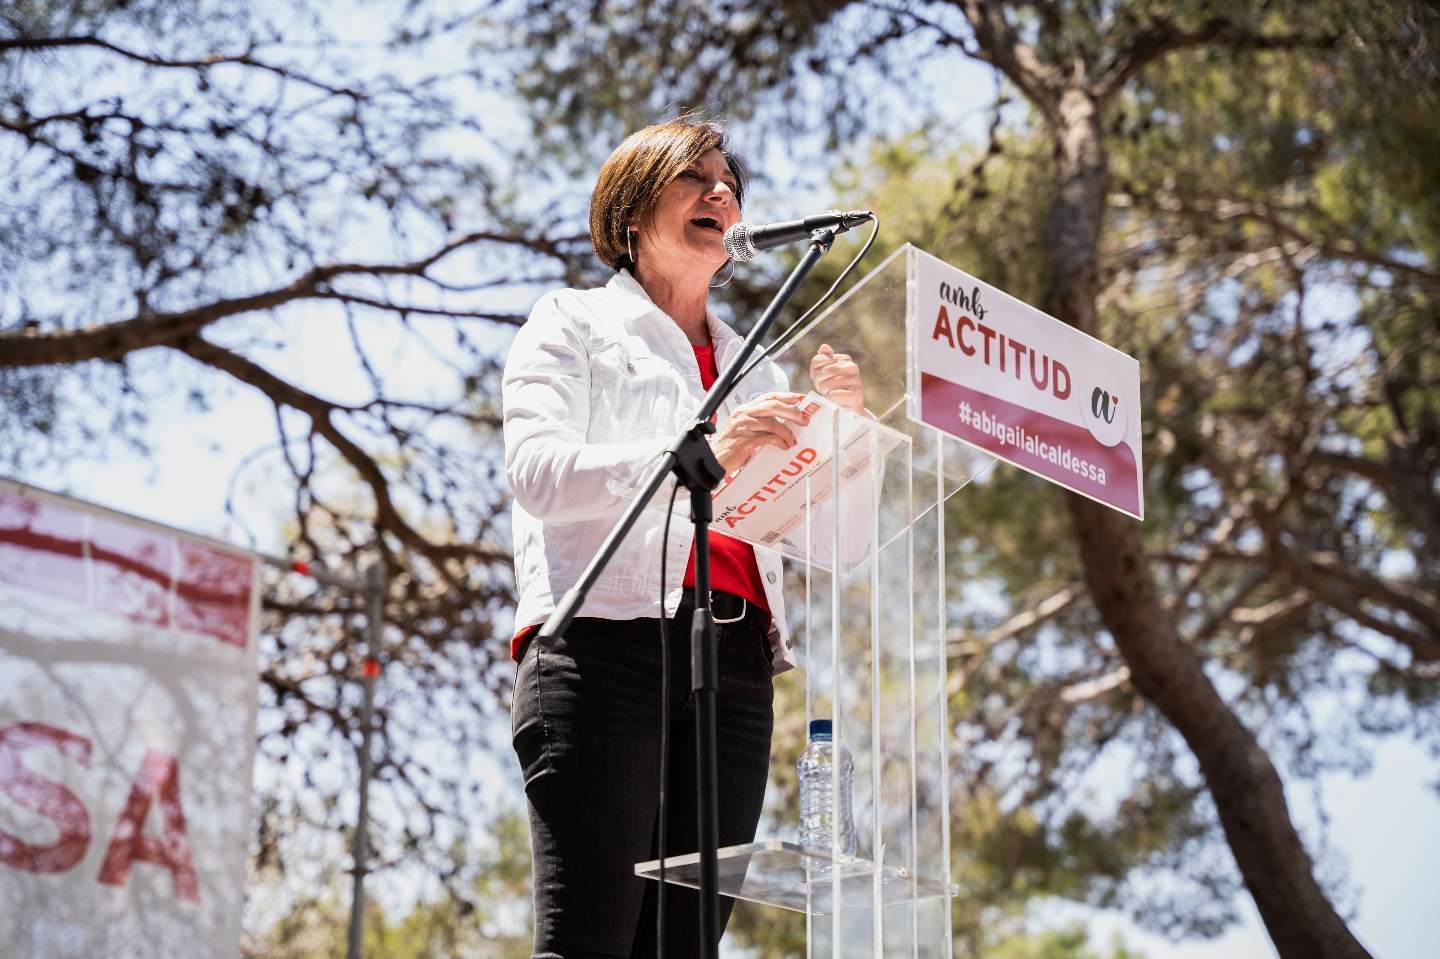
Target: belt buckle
744	608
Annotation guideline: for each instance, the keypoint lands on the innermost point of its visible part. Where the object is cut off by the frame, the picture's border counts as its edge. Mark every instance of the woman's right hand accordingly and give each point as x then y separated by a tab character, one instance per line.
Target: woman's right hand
759	423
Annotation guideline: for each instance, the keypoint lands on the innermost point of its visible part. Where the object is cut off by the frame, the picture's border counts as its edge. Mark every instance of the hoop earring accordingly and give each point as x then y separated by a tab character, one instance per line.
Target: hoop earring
731	264
628	250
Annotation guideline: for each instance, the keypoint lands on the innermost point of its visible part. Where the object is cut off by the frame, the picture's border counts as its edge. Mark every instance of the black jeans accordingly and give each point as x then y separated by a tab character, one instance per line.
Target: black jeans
585	726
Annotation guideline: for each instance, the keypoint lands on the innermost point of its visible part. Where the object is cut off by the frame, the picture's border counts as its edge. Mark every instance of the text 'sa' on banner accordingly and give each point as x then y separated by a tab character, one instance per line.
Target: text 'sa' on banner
127	731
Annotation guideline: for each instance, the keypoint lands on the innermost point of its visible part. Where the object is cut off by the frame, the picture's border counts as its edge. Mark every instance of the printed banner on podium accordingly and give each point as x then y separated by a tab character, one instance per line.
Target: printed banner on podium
1003	376
765	502
127	732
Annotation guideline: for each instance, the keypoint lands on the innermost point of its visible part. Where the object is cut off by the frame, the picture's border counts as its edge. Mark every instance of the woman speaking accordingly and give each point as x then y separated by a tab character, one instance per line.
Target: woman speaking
597	384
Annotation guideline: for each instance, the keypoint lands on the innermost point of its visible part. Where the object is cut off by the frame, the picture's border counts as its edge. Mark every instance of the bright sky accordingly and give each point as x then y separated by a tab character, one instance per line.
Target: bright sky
1386	826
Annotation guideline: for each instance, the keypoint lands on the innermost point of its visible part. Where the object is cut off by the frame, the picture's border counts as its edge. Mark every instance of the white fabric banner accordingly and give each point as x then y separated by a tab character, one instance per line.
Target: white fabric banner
127	734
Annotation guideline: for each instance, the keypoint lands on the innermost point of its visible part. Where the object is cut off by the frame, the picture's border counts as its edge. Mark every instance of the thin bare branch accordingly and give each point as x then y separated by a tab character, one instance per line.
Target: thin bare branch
246	59
321	413
965	644
1080	692
111	341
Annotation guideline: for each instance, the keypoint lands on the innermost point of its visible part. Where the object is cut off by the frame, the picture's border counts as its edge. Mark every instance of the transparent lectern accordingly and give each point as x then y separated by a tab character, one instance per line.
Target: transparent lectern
866	602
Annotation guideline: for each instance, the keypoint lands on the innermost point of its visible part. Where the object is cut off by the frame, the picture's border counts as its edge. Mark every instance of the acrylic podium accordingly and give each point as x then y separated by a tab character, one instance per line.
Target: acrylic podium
866	602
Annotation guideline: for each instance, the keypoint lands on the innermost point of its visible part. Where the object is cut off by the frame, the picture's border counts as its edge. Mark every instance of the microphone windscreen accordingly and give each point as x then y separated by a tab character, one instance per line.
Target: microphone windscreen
738	244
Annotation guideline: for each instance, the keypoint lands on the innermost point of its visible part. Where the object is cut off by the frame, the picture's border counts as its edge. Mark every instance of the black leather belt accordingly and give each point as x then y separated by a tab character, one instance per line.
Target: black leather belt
728	608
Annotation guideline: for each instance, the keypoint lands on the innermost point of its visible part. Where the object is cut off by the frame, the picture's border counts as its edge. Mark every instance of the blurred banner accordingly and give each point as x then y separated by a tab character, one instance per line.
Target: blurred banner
127	733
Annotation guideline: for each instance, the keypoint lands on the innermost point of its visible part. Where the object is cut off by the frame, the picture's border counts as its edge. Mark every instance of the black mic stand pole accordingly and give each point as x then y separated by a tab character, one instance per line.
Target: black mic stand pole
696	468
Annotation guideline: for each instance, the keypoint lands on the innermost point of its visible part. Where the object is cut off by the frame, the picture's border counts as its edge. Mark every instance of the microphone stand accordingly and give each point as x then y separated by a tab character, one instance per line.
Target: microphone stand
696	468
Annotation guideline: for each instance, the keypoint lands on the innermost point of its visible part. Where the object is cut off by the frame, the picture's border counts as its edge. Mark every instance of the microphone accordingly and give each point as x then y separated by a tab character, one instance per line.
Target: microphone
744	240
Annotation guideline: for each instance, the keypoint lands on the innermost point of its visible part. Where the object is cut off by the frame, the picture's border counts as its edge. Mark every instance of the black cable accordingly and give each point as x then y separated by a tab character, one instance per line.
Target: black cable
664	728
779	341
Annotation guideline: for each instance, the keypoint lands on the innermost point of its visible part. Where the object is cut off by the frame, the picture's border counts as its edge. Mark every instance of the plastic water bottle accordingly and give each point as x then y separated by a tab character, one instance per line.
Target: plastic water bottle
820	799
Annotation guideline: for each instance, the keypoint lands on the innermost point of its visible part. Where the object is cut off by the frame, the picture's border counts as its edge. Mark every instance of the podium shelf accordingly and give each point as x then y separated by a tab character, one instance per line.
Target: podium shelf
777	873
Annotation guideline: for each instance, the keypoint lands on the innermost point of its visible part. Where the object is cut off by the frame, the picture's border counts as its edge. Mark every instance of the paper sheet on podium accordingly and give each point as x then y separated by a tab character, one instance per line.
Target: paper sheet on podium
765	501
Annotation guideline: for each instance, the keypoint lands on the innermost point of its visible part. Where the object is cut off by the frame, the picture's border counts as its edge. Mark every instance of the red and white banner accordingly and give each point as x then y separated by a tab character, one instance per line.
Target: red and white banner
767	501
1001	375
127	734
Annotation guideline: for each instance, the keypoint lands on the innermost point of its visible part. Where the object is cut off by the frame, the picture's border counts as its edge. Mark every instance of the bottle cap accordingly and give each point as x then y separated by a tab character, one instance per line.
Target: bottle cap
821	729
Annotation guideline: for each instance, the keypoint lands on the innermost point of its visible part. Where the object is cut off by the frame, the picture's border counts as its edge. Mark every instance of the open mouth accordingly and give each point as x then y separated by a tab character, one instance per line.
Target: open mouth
708	223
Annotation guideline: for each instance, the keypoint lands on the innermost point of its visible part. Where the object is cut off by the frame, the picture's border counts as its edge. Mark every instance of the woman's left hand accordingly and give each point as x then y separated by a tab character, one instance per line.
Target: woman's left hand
837	378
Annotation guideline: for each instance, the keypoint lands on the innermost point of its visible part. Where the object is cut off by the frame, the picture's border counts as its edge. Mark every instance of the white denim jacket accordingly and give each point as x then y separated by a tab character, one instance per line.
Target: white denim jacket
597	384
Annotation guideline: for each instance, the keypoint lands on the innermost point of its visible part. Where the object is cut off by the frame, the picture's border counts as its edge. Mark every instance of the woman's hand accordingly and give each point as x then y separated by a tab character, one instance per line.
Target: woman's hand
837	378
757	424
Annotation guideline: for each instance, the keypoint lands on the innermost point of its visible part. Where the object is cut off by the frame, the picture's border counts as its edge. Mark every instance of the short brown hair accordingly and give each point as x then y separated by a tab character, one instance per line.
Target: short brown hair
632	179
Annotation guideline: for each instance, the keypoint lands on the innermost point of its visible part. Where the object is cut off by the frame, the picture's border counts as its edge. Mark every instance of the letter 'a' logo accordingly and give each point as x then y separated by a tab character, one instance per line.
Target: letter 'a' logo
1100	405
1103	415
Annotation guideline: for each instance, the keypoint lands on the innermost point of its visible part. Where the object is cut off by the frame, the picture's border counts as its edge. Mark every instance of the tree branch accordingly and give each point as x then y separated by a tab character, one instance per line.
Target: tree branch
1040	81
510	319
1161	36
1225	209
1220	208
111	341
1046	609
246	59
1086	690
320	412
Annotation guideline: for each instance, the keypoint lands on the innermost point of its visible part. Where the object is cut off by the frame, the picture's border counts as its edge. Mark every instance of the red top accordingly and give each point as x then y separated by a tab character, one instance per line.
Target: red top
732	563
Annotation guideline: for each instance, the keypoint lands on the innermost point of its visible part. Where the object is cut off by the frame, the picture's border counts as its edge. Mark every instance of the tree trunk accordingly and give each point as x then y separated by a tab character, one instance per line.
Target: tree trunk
1247	790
